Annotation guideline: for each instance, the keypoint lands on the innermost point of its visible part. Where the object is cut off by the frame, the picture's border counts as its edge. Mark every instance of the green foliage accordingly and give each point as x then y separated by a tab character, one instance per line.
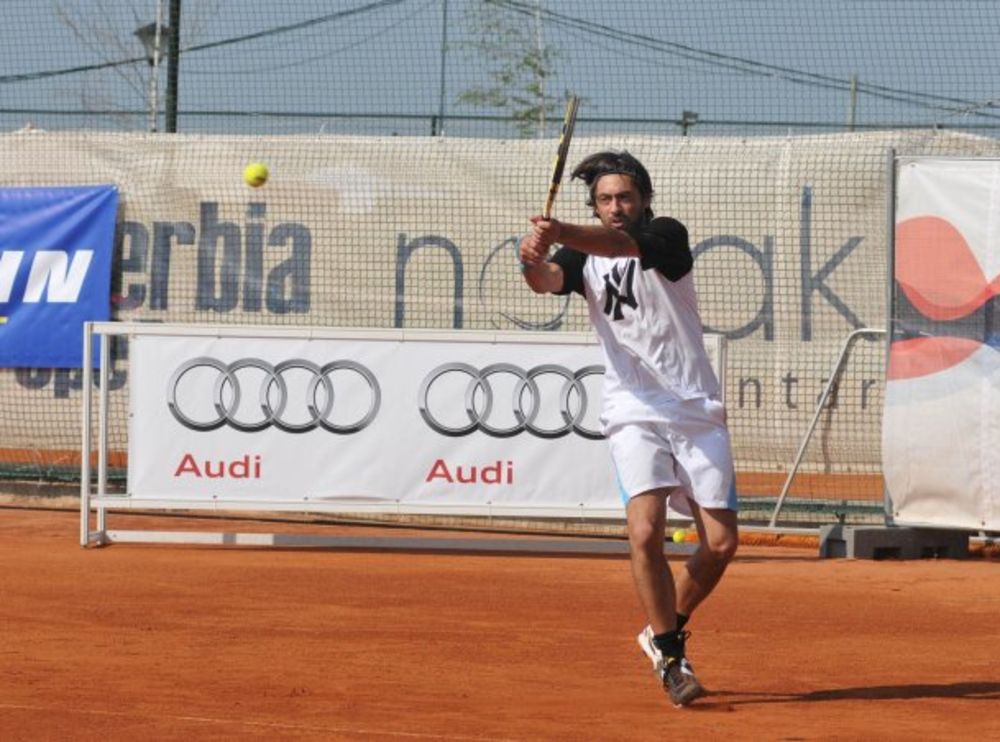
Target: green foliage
519	63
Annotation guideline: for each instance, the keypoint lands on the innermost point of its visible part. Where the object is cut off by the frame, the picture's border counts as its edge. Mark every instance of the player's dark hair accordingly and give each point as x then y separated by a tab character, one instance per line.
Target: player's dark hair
609	162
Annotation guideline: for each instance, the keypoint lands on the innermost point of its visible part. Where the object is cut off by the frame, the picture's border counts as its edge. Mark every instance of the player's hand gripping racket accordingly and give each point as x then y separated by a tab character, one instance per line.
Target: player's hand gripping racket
569	122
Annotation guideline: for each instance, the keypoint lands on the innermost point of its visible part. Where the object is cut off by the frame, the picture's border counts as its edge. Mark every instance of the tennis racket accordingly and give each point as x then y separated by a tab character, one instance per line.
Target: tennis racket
569	122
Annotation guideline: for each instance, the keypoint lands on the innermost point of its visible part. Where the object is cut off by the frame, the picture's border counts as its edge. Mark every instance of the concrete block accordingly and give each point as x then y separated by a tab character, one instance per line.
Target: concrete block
891	542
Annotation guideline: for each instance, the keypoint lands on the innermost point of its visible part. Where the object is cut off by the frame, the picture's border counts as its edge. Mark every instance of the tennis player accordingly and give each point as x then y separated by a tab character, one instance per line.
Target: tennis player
662	412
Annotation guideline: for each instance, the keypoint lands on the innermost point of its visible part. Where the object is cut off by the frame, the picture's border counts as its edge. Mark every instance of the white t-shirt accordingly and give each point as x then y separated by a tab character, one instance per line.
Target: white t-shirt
647	323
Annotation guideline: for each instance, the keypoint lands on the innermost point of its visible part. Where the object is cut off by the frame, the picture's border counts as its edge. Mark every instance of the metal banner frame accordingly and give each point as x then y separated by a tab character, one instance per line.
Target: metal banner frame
98	500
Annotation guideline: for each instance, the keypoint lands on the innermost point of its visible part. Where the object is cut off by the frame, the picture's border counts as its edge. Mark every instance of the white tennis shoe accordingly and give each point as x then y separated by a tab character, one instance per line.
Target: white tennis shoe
675	673
645	640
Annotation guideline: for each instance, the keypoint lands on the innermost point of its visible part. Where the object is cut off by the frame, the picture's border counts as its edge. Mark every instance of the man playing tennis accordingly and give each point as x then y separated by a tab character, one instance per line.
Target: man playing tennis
662	412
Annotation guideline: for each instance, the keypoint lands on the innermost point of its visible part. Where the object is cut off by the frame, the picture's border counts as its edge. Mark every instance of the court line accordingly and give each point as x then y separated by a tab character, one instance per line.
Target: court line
251	723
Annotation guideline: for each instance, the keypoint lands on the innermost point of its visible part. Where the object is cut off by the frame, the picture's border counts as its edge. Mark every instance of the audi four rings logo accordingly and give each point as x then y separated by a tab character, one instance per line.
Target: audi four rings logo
273	396
526	401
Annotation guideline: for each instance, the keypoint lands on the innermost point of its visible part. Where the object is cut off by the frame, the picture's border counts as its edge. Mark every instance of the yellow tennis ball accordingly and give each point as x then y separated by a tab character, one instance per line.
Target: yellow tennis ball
679	536
255	174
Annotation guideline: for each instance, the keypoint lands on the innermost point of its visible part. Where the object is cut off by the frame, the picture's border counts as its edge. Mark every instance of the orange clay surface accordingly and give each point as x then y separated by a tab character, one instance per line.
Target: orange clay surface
191	643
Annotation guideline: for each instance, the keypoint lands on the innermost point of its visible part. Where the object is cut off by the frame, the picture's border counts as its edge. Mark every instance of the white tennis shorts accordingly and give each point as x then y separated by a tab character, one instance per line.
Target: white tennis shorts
687	450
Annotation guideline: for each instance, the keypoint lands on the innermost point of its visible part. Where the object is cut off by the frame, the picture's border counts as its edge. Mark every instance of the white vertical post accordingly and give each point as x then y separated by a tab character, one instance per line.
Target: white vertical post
102	429
88	383
890	325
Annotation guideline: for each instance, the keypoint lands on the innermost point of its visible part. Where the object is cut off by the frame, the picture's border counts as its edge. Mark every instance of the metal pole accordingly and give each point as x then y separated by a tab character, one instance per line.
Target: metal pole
852	112
834	377
173	64
102	427
688	119
154	73
85	442
540	51
890	241
438	128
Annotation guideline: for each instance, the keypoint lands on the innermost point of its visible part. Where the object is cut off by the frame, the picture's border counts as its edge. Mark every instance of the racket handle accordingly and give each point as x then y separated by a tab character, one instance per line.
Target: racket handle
550	201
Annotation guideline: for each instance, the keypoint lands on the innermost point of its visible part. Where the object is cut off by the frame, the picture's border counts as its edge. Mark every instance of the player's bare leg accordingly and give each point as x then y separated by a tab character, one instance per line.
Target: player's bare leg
654	583
661	641
718	538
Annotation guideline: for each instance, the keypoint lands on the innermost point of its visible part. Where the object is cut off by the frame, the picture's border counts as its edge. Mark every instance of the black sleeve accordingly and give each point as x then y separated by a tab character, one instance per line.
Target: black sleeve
571	261
663	245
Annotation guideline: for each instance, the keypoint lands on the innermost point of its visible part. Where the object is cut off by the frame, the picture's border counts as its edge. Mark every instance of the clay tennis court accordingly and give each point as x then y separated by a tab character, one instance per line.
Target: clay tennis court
163	642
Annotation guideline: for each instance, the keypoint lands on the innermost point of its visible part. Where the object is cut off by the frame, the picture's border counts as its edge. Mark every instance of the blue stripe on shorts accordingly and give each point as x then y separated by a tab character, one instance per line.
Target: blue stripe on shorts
621	487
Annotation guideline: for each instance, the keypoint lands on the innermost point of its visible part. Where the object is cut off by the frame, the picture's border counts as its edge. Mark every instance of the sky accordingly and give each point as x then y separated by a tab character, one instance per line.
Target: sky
375	66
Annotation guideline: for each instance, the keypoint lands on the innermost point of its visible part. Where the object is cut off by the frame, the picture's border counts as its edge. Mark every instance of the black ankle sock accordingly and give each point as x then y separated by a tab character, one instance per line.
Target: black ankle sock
681	620
669	643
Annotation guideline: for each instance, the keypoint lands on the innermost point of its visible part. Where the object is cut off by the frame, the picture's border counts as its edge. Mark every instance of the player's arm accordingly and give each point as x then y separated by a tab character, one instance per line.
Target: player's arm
590	239
560	274
542	276
663	246
660	244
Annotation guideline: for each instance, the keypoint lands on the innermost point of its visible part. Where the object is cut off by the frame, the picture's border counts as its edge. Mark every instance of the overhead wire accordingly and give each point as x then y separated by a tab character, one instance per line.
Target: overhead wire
947	104
274	31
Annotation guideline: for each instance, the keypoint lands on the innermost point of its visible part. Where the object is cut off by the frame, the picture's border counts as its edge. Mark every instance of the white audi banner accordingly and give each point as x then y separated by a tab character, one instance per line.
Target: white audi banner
369	423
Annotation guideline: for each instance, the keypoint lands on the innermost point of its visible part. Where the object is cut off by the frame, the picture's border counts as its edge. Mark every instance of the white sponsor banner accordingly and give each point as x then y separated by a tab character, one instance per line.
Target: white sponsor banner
434	425
942	412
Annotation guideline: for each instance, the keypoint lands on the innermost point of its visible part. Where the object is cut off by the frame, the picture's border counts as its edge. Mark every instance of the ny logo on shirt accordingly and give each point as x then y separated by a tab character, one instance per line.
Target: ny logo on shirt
618	290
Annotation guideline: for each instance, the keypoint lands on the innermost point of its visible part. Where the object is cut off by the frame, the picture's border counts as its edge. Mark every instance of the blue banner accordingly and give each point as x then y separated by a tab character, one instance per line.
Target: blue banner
56	246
